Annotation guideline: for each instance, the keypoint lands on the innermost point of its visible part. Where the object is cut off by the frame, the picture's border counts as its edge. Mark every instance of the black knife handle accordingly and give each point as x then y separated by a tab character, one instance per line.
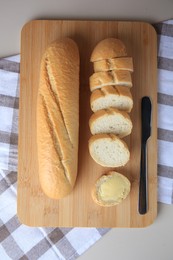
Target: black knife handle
143	196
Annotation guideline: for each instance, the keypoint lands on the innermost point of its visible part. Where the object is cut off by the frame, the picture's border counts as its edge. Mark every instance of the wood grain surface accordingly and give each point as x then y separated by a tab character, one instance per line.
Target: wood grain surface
78	209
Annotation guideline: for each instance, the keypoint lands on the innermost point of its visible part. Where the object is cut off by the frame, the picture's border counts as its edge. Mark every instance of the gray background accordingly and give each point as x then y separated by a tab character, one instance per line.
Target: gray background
14	14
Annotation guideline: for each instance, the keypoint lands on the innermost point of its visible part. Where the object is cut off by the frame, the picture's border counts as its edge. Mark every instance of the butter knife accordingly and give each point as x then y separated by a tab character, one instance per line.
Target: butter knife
146	132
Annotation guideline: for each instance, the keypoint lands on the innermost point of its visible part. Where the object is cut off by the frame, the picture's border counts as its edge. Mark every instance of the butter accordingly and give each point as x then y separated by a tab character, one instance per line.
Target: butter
114	188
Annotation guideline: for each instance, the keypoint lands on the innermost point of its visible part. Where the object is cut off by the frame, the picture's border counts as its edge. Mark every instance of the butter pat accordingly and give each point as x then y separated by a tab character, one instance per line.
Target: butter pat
111	189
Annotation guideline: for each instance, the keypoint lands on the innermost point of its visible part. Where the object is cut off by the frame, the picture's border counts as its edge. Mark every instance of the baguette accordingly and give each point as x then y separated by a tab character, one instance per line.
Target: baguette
58	118
110	121
108	150
119	97
111	189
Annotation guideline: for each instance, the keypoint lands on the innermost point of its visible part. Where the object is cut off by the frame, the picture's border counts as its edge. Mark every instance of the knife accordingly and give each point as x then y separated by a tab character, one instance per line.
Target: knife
146	132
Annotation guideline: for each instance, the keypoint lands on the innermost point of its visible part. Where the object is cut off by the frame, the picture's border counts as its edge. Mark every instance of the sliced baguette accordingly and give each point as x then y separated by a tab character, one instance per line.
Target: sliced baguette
110	121
107	49
123	63
111	96
106	78
108	150
111	189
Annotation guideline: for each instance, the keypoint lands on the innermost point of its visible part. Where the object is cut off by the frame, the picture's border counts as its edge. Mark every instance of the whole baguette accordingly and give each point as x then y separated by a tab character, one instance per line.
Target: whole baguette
58	118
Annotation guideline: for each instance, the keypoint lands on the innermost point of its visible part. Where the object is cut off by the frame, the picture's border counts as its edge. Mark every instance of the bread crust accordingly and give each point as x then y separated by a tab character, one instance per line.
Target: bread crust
123	63
120	91
107	49
112	137
104	78
111	111
58	118
95	190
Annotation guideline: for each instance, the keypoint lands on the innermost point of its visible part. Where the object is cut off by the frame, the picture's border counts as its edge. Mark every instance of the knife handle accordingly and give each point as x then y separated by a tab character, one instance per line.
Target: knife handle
143	198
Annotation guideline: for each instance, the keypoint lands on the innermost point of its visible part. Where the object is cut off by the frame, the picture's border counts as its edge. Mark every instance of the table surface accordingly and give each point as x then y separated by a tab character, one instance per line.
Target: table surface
155	241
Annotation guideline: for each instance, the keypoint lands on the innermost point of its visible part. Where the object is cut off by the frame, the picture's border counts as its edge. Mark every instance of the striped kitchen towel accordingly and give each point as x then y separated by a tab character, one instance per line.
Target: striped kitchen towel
18	241
165	111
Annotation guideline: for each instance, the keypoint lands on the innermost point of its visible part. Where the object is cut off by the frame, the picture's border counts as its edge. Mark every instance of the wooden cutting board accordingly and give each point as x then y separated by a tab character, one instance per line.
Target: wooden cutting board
78	209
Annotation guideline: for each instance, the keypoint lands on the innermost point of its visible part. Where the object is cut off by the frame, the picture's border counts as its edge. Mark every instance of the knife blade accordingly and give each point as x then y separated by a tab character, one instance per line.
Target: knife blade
146	132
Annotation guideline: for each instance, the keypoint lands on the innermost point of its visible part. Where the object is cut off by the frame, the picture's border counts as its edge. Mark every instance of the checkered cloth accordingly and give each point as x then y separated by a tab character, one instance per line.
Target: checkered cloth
18	241
165	111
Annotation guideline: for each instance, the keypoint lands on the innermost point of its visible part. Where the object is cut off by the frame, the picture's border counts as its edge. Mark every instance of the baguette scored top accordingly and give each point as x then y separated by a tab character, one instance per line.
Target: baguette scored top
110	121
122	63
106	78
58	118
111	96
107	49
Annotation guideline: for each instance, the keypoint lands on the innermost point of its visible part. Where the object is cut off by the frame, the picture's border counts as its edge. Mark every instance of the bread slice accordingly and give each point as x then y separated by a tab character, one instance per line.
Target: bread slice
110	121
123	63
106	78
111	189
111	96
107	49
108	150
